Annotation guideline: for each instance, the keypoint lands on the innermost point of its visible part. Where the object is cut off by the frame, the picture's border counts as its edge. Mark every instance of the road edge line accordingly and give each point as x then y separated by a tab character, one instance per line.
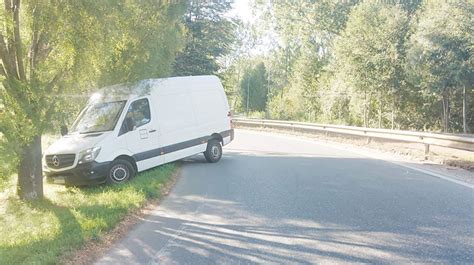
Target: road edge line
434	174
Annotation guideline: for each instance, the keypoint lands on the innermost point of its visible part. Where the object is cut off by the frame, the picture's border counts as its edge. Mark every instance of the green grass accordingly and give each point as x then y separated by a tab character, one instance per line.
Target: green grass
41	232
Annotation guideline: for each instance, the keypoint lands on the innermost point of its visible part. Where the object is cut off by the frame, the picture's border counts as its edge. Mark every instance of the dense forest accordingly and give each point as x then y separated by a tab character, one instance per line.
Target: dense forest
388	64
385	64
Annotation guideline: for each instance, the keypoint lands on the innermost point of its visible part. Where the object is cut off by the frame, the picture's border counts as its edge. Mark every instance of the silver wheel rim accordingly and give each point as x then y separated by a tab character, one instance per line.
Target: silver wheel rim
215	151
119	173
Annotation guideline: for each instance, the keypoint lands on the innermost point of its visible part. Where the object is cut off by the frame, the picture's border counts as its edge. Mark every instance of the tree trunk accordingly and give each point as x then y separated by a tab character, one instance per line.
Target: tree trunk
445	113
393	118
267	111
235	93
464	110
380	110
30	173
248	95
380	116
365	109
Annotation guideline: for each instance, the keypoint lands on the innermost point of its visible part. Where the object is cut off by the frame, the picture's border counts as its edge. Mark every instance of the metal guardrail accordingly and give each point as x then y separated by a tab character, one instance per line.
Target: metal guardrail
461	142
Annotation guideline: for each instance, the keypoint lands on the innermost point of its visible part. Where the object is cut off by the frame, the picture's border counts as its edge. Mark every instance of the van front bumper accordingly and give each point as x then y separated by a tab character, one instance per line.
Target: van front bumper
84	174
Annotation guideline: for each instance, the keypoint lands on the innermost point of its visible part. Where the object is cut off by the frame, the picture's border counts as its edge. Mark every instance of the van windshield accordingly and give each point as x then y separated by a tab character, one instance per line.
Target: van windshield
98	117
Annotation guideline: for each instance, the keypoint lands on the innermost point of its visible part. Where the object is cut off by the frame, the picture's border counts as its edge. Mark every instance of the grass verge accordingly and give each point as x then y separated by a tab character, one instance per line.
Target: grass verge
41	232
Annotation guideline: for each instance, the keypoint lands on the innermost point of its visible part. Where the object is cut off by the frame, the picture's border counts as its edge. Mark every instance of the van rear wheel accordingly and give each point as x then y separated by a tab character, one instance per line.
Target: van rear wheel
120	171
213	151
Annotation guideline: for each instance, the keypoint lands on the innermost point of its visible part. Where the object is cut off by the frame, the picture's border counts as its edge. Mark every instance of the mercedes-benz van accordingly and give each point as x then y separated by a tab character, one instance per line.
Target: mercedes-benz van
128	128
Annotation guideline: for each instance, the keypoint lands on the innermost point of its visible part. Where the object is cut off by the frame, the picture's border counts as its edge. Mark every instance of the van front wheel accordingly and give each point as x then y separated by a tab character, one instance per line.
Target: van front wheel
120	171
213	151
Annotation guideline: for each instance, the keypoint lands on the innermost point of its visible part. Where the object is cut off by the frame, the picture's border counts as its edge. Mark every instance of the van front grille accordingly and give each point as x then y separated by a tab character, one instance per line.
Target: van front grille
60	161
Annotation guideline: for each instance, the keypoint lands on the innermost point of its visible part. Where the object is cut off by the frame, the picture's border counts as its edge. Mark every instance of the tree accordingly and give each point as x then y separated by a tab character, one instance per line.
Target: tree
146	37
306	30
398	64
210	34
441	54
254	88
52	48
370	53
310	21
235	63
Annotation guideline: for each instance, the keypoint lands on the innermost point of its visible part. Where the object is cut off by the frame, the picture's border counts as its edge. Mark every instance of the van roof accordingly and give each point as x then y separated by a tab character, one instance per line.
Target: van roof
142	88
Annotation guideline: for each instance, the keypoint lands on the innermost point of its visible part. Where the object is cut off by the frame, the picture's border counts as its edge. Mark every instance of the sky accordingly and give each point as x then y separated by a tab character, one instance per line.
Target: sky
242	10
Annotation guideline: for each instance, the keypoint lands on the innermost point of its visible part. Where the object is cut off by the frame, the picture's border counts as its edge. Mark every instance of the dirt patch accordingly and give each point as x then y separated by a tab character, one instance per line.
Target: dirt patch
95	249
468	165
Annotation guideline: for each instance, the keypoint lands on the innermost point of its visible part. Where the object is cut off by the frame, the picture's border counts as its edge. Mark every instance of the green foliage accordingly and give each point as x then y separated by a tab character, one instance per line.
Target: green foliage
254	88
231	81
285	106
7	163
339	103
391	64
256	115
441	53
210	34
306	82
144	40
306	28
370	54
43	231
310	22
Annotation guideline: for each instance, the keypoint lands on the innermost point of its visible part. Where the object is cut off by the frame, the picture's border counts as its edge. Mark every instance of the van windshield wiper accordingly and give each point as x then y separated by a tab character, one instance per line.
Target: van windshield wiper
95	131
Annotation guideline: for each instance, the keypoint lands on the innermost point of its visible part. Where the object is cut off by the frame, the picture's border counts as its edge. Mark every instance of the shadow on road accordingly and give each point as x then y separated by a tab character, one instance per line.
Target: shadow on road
299	208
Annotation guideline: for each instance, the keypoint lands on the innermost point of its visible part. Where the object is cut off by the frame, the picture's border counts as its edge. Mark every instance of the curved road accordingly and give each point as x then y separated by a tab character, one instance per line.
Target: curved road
278	199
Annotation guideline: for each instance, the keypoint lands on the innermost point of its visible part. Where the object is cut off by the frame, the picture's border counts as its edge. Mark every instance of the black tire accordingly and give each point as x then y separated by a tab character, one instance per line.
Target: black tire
120	171
213	151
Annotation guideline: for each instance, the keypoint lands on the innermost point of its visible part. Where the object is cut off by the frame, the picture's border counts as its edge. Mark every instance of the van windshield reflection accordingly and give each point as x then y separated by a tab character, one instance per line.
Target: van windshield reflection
98	117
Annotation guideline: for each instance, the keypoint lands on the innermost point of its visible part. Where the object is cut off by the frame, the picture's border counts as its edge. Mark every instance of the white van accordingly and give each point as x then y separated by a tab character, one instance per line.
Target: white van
128	128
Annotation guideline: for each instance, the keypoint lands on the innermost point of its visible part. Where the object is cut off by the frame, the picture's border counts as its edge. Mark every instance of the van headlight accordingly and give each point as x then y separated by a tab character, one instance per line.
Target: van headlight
88	155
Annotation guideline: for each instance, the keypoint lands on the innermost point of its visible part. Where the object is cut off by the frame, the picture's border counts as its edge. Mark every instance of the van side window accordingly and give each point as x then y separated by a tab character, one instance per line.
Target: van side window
139	112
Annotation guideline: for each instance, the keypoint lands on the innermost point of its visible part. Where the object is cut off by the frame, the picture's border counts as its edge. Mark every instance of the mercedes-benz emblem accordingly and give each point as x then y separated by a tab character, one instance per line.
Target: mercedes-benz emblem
56	161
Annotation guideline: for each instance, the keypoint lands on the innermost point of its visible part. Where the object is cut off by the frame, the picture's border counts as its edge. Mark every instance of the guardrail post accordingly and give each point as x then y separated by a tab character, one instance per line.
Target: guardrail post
369	139
427	151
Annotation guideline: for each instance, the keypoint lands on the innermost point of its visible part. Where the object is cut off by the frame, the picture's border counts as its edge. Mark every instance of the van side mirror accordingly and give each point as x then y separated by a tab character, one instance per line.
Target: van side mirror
64	130
130	123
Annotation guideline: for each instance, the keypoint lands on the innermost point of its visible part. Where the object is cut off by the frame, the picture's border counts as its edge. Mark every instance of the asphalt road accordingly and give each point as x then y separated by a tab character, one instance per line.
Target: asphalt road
275	199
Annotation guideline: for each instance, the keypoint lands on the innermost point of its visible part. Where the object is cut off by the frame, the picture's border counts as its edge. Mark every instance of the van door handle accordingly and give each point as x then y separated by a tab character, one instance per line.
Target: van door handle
152	131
